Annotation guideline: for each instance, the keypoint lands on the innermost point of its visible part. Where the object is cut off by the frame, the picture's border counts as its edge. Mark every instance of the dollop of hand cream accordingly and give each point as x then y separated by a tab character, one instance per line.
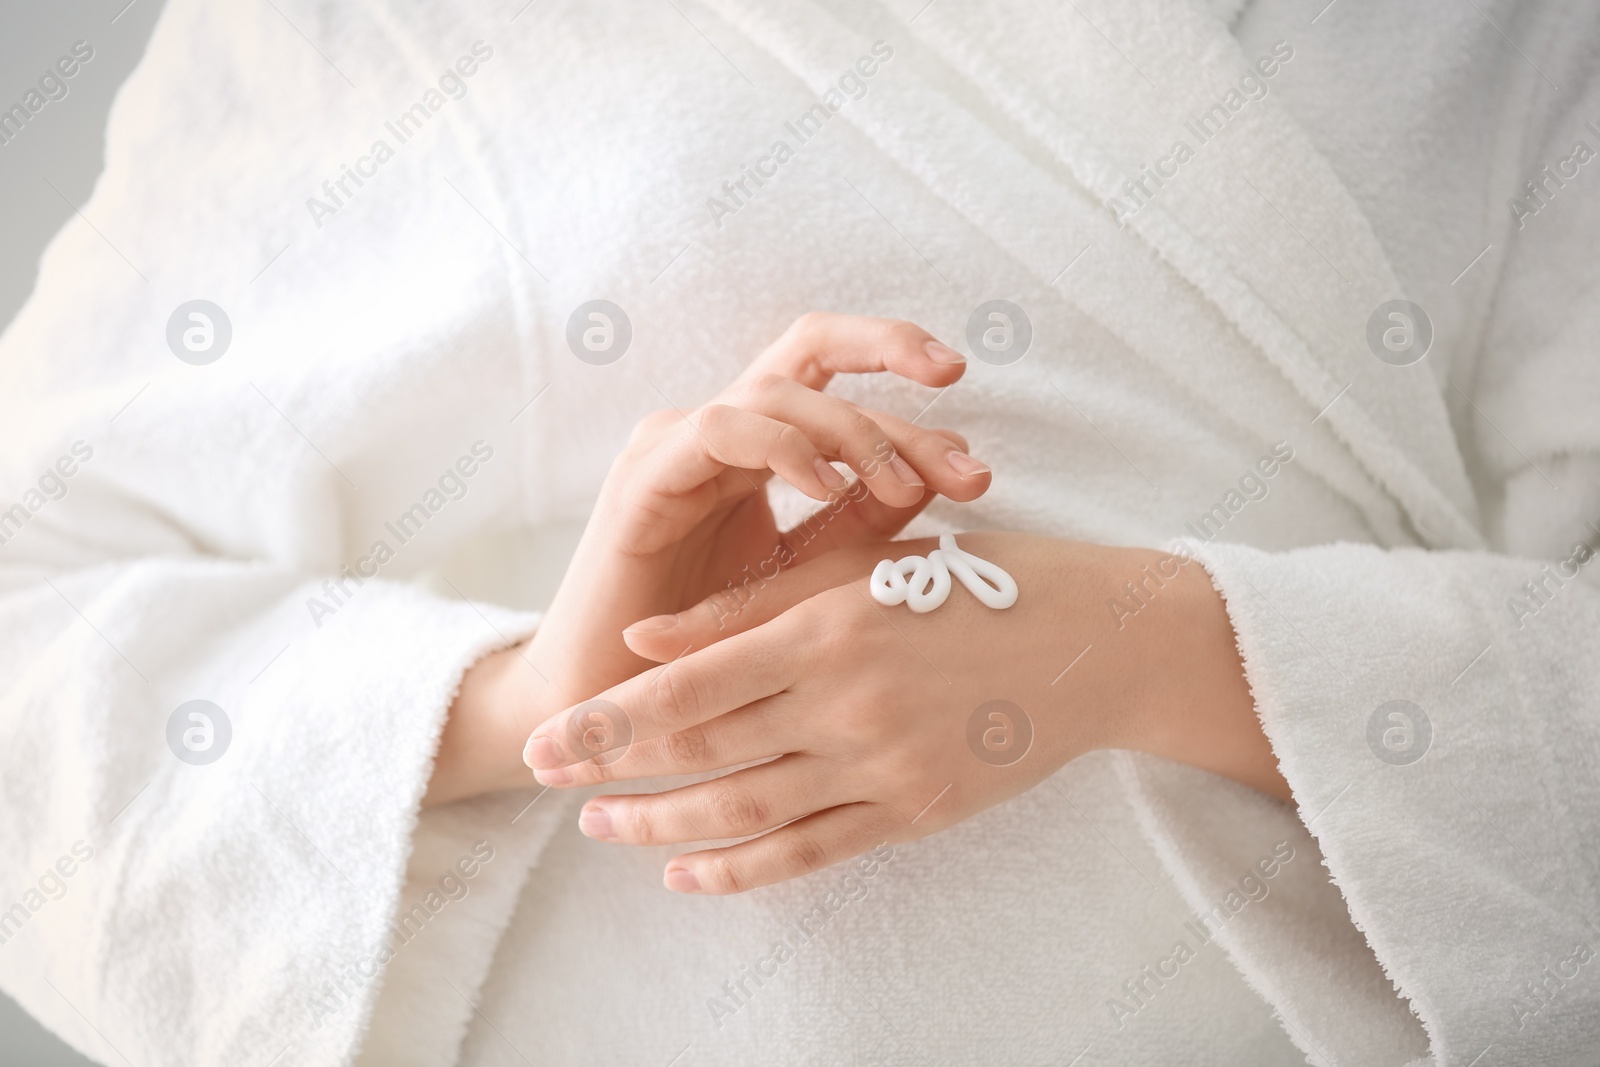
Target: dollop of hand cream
923	582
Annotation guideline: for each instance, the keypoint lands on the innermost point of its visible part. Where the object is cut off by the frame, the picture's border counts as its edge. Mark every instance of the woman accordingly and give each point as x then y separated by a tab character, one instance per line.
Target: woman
1277	339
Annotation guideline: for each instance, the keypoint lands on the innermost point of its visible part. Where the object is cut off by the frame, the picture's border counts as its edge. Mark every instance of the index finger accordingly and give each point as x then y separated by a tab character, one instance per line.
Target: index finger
820	344
663	700
731	612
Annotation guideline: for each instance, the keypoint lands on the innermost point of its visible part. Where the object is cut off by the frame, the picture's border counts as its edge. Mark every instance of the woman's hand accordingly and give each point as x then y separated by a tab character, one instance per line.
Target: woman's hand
683	513
883	725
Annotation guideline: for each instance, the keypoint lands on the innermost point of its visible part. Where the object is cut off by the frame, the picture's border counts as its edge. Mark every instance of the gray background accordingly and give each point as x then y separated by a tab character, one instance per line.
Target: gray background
61	146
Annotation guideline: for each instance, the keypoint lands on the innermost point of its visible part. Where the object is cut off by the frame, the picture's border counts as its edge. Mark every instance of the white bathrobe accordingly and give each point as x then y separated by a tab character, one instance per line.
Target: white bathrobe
1426	899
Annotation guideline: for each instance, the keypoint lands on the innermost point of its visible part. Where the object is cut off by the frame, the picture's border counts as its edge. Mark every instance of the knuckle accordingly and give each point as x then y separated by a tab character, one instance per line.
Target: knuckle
905	333
792	441
861	426
800	852
714	418
722	876
677	698
738	810
653	423
591	772
864	735
809	324
914	436
640	823
906	336
723	605
628	458
875	456
689	748
765	383
902	771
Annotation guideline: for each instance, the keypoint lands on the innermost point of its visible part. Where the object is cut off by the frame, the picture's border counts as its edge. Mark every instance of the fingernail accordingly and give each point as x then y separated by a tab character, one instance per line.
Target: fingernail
903	471
964	464
682	881
541	752
595	822
559	776
941	353
653	625
828	474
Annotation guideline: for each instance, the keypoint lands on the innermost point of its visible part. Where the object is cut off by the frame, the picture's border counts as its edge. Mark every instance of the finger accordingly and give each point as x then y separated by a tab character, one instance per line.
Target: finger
736	805
852	518
894	457
828	549
820	344
803	846
750	733
655	423
724	615
948	469
720	436
842	431
694	689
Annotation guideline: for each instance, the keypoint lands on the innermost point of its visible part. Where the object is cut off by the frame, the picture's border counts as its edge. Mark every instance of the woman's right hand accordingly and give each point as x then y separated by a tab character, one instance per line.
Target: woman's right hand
683	514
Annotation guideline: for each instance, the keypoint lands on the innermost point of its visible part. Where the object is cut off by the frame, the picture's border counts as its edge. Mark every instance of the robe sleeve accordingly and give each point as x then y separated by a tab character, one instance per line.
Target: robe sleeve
219	707
1437	713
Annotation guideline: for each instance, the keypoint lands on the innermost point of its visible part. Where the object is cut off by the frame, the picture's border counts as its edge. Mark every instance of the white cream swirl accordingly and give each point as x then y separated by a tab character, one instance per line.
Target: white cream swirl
923	582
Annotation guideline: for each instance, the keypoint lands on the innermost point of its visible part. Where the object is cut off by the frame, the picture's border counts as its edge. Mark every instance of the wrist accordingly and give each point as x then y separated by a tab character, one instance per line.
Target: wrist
1192	702
480	746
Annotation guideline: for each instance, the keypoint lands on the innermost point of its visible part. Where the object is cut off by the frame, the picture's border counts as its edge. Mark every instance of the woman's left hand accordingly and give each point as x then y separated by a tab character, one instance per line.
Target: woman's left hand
878	724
